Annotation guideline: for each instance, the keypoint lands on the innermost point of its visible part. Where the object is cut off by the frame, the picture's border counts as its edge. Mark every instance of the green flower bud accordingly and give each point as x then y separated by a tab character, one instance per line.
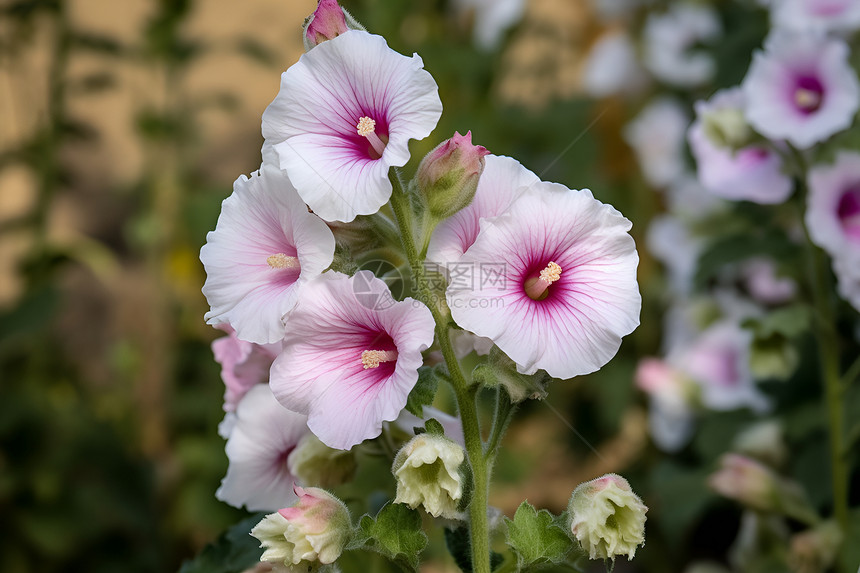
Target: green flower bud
607	518
313	531
314	463
427	469
448	176
727	128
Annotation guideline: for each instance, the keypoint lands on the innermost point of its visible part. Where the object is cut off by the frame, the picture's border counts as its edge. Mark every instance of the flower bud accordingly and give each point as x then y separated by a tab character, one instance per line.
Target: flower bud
327	22
427	469
314	463
727	128
815	550
448	175
607	518
763	441
747	481
315	529
756	486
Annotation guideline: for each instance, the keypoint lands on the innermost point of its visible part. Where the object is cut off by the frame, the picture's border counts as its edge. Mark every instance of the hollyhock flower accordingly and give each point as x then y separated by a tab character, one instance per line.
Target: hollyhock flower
350	357
657	136
764	283
503	180
688	199
315	529
848	280
611	67
607	518
345	114
265	246
801	88
672	396
833	207
564	291
823	15
719	361
670	40
243	365
427	470
727	166
262	439
491	19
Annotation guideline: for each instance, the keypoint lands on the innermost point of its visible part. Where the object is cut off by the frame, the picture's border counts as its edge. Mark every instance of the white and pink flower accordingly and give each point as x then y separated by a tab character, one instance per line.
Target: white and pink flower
503	180
344	115
801	88
833	207
749	172
264	435
350	357
824	15
265	246
564	289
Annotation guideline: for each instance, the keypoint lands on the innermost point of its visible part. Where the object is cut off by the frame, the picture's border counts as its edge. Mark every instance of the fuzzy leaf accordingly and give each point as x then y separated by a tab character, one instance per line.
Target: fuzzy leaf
423	392
395	532
535	537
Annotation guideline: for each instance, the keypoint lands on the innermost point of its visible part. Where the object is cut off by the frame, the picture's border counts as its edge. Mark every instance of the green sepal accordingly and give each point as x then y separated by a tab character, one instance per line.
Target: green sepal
434	427
536	537
395	533
424	391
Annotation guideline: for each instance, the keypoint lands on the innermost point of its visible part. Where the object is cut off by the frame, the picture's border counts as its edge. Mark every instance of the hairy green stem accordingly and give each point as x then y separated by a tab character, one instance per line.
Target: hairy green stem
828	350
478	525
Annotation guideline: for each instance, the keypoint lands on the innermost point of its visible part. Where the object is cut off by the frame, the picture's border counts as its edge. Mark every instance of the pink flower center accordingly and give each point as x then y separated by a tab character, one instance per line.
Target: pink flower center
808	94
848	212
366	128
373	358
537	287
280	261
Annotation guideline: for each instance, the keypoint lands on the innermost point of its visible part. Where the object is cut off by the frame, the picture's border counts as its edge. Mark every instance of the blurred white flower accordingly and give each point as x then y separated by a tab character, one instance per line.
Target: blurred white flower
657	137
491	18
611	67
670	44
824	15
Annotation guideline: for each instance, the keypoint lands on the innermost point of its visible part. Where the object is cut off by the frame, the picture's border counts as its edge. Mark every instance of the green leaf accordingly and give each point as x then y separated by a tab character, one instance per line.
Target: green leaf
423	392
395	532
789	322
233	552
535	537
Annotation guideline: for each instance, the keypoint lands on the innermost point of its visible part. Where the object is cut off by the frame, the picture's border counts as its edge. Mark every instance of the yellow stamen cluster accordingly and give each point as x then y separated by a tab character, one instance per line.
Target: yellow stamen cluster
282	261
373	358
366	126
551	273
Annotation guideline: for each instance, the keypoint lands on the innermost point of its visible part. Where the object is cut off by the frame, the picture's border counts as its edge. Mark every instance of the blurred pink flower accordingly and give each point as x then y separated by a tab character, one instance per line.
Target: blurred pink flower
344	115
556	285
671	41
327	22
261	440
243	365
764	284
350	357
746	481
503	180
801	88
265	246
751	172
